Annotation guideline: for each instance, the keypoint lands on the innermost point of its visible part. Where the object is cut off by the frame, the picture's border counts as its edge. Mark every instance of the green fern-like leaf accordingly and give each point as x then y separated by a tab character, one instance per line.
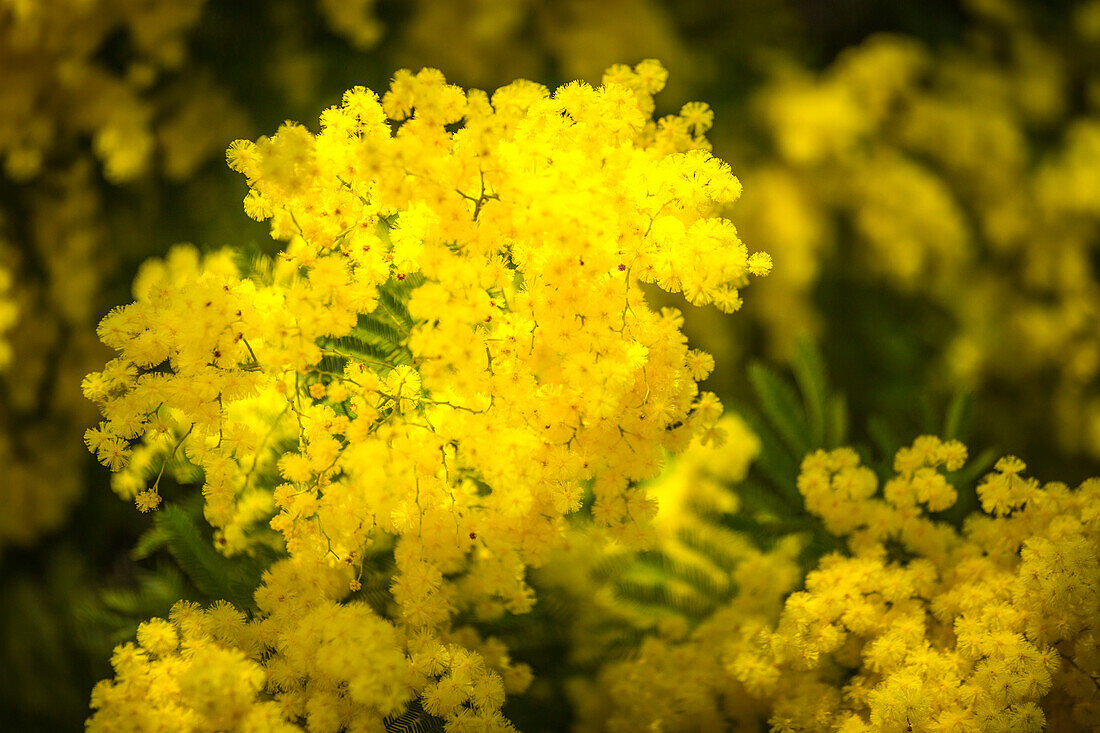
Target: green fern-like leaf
392	302
809	372
956	425
759	498
712	541
379	329
663	595
149	543
112	615
775	461
791	418
780	404
355	347
795	418
836	422
697	574
213	574
610	567
414	720
886	440
759	532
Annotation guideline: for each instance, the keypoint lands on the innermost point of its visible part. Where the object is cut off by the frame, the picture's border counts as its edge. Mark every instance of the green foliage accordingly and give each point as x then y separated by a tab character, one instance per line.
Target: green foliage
214	575
393	296
149	542
186	567
115	612
956	424
49	656
378	338
354	347
664	592
414	720
376	579
377	329
543	639
792	418
780	405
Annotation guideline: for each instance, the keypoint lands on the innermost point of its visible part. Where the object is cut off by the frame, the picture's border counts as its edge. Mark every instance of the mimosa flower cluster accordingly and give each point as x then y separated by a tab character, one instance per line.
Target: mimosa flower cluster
452	351
304	656
991	628
102	89
68	115
436	461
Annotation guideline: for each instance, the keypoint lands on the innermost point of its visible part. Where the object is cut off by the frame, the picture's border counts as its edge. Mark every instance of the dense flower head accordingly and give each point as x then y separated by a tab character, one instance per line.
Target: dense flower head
209	669
185	679
990	628
450	353
308	657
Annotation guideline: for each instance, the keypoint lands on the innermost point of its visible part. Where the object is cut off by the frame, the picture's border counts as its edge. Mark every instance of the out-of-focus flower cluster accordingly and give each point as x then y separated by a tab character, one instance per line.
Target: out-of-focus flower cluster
965	174
48	342
9	311
82	94
93	90
58	86
577	37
